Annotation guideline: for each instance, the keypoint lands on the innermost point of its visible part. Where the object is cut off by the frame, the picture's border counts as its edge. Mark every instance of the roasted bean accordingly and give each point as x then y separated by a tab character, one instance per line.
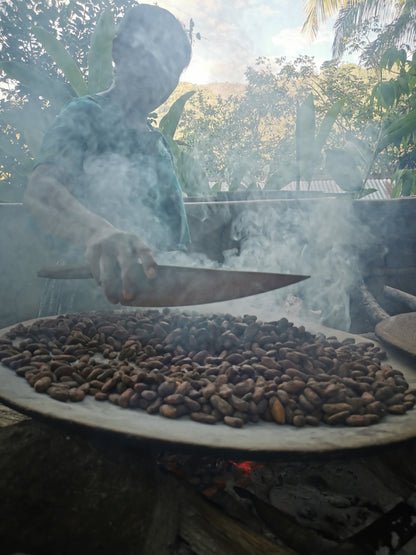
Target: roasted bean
43	384
217	368
233	421
204	418
221	405
362	419
76	395
277	410
60	394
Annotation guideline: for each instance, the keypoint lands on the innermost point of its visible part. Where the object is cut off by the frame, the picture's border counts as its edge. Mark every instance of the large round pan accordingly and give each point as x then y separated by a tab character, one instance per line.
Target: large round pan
253	440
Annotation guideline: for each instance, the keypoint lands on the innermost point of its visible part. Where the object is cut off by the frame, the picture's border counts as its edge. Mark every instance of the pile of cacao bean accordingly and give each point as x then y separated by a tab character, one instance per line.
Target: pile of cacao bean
213	368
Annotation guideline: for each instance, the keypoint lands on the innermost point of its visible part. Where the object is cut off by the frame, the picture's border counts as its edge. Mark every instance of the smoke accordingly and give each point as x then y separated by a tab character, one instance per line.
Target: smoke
119	189
324	239
320	239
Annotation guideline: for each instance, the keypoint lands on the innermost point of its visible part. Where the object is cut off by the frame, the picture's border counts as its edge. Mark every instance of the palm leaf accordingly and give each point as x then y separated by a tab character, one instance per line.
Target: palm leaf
400	129
400	30
63	59
100	61
17	153
38	81
305	138
33	139
317	11
20	117
327	124
364	192
169	123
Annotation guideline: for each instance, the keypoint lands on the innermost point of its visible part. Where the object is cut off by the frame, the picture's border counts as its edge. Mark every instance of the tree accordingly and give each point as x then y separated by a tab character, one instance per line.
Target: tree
392	20
51	52
317	11
24	121
33	85
398	98
249	137
238	136
40	92
311	139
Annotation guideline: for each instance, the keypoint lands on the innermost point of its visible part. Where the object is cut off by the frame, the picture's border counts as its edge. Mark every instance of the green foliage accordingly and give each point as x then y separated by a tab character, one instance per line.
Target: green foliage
305	139
349	167
399	133
169	123
8	147
33	83
393	56
37	81
32	118
309	140
368	26
397	97
246	136
62	59
100	68
404	183
190	174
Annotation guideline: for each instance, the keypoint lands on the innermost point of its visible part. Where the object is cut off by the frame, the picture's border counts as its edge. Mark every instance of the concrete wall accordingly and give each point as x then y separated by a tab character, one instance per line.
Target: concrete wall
23	250
371	242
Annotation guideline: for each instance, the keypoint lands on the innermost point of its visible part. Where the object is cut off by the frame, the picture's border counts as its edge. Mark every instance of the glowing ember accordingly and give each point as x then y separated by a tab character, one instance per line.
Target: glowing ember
247	466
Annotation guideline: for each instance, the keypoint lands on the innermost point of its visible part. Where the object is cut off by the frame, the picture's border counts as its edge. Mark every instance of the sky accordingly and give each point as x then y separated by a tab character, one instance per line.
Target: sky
234	33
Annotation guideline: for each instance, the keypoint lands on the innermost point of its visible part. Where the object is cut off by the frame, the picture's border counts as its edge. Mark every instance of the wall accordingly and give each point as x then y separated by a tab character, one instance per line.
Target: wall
23	250
341	244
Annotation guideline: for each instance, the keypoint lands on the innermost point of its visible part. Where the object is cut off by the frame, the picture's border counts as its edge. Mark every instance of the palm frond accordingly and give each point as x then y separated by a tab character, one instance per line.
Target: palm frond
397	16
318	11
401	33
343	28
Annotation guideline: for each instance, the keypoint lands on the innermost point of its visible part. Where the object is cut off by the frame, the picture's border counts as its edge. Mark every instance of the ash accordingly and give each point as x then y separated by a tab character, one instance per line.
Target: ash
363	504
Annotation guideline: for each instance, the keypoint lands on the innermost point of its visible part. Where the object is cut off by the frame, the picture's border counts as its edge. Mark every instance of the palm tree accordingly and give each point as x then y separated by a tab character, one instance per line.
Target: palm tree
396	16
317	11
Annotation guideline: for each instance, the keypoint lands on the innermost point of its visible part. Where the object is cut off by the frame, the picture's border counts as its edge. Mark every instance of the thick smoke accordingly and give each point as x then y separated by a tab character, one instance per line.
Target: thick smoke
324	239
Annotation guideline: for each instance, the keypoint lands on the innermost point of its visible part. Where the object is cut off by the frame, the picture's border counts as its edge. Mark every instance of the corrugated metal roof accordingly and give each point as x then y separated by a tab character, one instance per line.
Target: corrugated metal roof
383	187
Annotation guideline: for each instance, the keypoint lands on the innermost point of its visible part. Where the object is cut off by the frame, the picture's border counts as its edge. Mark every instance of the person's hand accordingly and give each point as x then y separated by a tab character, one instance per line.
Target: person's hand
117	260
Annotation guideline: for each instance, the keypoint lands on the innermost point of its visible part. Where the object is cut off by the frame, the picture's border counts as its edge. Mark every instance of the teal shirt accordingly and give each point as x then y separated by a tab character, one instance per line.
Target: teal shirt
122	174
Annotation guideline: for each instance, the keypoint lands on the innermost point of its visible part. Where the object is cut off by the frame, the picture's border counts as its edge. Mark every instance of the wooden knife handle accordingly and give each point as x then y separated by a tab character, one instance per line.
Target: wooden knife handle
66	271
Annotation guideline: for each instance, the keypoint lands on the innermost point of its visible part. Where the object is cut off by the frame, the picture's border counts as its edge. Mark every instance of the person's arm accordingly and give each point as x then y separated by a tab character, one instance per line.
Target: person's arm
113	255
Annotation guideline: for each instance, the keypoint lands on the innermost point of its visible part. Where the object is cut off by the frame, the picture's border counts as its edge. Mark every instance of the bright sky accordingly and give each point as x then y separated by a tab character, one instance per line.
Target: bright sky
236	32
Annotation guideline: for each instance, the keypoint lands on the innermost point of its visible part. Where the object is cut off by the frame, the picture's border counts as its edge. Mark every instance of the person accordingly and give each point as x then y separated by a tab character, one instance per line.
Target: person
103	181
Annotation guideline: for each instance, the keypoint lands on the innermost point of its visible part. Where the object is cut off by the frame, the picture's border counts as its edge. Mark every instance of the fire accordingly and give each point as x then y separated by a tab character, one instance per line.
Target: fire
246	466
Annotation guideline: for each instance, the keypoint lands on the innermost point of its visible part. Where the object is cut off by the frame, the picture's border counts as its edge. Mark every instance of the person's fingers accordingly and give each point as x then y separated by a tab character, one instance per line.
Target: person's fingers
110	278
131	276
149	264
146	257
117	264
93	258
132	270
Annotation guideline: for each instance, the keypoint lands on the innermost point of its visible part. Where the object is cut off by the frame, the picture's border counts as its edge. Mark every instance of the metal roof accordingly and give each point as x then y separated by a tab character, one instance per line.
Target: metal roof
383	187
